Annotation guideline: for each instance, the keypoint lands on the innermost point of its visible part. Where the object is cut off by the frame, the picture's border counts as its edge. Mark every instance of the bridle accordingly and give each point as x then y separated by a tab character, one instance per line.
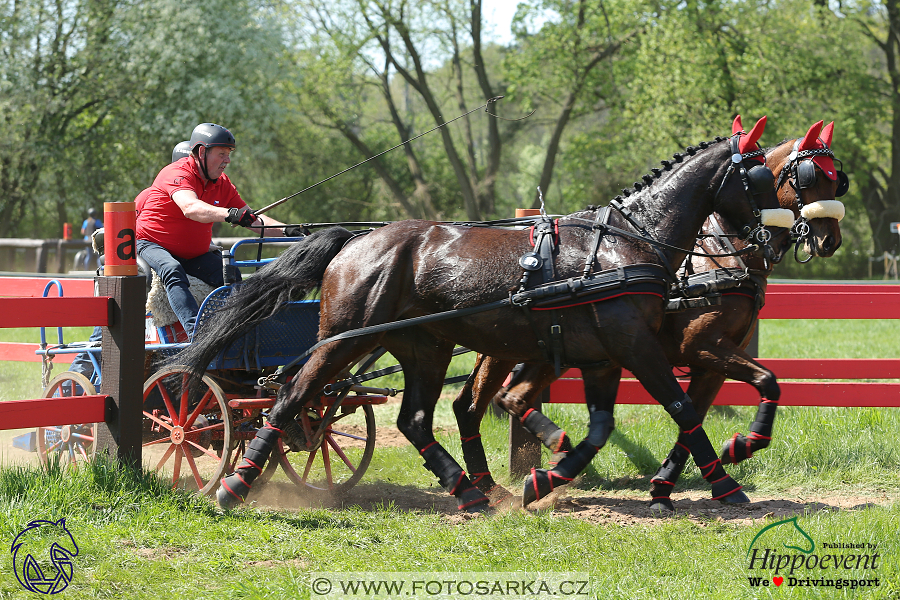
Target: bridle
757	179
800	172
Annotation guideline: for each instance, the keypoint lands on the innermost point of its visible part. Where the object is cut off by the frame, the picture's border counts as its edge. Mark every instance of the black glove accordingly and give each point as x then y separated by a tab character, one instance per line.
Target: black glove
295	231
240	216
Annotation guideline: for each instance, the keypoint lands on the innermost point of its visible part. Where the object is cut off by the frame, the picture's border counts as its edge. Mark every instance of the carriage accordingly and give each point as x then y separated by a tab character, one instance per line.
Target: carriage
191	438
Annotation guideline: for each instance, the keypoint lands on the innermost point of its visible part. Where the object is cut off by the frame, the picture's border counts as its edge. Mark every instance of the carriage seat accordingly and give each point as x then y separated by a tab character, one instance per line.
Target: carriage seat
158	301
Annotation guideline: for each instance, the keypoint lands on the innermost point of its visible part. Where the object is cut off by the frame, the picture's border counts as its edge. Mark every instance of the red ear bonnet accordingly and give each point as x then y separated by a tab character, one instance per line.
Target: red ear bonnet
813	140
736	127
748	142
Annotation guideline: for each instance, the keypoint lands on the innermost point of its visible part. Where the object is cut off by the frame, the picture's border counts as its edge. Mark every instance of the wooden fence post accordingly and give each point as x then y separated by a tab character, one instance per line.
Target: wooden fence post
122	365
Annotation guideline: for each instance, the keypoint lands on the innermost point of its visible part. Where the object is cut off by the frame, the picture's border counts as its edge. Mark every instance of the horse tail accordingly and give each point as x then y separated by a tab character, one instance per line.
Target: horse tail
292	276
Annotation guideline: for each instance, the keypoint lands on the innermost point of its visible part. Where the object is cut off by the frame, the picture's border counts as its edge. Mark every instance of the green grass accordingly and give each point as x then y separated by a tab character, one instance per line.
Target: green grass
138	539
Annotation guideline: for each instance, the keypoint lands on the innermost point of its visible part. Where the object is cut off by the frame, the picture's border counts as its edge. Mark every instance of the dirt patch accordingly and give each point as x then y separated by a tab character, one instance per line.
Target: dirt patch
595	506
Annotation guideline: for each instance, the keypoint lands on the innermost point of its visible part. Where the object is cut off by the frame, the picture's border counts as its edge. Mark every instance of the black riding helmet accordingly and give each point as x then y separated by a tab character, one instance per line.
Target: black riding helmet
181	150
209	135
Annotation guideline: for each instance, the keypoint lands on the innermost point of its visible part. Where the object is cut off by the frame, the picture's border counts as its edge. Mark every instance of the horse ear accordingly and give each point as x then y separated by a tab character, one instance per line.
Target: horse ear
827	133
748	142
809	140
736	127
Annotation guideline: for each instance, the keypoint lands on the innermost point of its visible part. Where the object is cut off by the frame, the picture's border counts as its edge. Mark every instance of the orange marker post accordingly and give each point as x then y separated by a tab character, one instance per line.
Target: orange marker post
119	220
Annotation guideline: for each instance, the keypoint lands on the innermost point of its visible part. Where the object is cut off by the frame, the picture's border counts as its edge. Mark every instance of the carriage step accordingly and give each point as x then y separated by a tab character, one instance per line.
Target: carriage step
326	400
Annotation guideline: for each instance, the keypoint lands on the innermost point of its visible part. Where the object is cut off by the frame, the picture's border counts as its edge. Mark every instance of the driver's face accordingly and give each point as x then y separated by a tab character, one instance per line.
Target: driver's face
217	158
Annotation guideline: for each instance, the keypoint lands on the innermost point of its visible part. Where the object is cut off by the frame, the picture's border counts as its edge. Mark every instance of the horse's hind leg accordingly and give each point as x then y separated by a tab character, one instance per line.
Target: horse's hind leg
469	407
600	388
323	366
424	359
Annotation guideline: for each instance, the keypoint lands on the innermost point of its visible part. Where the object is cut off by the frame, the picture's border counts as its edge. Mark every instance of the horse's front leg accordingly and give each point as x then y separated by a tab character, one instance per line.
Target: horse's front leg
601	384
702	390
469	407
634	345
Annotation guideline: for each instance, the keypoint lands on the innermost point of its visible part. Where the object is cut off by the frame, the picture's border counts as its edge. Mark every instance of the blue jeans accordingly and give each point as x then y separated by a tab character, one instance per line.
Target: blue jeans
174	271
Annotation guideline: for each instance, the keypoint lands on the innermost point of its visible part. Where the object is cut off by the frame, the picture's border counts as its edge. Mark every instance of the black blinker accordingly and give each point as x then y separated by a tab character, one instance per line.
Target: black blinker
806	174
843	184
761	180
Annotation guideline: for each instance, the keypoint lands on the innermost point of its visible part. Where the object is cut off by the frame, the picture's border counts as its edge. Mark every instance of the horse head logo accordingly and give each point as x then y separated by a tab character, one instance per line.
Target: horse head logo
36	542
792	521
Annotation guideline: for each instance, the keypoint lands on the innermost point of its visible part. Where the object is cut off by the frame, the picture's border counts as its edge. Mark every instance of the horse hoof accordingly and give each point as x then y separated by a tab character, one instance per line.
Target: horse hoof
500	496
662	507
738	497
473	500
537	486
226	499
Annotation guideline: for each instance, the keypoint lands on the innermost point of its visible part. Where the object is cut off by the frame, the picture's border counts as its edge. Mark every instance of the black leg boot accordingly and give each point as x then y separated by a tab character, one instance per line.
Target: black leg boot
541	482
723	486
740	447
664	481
453	479
549	433
476	462
235	487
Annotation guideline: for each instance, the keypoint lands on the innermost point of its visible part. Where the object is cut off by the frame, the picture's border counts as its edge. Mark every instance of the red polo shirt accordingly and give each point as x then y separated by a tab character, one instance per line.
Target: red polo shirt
160	220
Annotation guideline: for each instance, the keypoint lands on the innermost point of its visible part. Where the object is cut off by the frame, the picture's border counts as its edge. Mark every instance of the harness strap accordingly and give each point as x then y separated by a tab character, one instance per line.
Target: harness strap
629	216
600	230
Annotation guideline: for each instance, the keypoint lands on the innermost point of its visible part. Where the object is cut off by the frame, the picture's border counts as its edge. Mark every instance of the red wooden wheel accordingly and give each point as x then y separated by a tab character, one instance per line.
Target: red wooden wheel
187	435
73	443
341	459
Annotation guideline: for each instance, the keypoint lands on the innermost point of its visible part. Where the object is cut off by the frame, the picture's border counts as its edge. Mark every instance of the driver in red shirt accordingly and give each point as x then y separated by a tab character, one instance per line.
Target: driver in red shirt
174	223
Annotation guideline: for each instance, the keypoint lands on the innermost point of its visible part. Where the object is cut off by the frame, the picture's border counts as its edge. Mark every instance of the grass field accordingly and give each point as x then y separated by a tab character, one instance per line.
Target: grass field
137	539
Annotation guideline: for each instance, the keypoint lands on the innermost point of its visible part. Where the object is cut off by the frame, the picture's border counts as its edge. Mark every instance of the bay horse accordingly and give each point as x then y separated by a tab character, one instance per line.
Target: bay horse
710	340
411	269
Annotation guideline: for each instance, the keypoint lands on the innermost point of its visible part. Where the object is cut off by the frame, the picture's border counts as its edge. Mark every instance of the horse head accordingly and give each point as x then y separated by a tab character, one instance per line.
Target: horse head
749	160
808	184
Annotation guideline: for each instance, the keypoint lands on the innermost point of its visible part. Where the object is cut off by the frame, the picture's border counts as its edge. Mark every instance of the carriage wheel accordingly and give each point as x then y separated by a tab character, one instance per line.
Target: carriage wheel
73	443
339	463
186	435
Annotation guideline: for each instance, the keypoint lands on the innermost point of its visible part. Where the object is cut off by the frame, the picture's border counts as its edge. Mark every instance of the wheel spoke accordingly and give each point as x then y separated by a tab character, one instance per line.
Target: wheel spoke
349	435
326	460
340	452
200	406
165	456
158	421
193	466
83	437
170	408
185	398
176	470
55	446
206	451
162	440
309	464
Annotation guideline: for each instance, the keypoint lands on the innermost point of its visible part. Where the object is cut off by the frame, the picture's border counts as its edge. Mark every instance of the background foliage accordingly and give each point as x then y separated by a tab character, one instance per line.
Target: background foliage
95	93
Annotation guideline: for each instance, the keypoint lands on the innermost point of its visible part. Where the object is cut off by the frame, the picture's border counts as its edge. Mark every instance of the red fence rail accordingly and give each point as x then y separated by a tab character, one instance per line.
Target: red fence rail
32	310
798	301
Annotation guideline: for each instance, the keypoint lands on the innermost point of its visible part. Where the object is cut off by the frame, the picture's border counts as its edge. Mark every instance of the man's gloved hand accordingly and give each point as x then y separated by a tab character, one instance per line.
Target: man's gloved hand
295	231
240	216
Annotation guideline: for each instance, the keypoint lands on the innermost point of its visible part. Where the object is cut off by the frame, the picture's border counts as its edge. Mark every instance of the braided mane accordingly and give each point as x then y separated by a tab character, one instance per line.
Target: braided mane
656	173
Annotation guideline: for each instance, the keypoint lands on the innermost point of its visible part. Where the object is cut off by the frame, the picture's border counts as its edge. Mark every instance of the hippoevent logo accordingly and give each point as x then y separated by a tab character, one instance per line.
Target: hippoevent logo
796	563
42	556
